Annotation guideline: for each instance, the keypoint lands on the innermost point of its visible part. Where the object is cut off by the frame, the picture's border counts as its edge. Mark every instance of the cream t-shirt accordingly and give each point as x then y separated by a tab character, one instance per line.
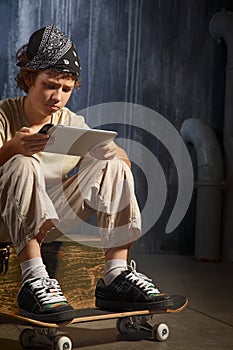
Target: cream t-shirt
12	119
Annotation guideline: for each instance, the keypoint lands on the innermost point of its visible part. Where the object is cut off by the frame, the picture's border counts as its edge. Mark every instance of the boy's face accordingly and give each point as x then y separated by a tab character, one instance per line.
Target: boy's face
49	94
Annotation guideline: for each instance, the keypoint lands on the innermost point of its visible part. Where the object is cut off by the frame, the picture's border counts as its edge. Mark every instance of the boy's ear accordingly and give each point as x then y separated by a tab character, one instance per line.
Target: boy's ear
28	82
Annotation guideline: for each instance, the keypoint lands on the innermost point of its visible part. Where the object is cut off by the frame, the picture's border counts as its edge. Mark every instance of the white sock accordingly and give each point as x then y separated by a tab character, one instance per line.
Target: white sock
33	268
113	268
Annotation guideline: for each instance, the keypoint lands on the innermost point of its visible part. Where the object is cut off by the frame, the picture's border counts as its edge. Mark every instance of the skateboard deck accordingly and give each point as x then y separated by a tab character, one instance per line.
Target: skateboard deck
127	322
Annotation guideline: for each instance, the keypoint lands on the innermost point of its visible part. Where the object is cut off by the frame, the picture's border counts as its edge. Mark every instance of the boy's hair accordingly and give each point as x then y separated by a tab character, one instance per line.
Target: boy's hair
48	50
31	74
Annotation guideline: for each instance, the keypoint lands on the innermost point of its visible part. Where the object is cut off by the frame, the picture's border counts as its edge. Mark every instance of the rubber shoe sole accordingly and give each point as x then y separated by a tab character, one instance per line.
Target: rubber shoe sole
129	306
55	317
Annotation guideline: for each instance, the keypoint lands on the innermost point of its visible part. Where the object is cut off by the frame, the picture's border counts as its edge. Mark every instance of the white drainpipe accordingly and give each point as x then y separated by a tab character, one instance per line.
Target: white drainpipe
209	185
221	28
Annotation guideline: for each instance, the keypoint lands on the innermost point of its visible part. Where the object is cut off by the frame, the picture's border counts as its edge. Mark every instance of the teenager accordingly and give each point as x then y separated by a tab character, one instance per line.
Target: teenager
36	195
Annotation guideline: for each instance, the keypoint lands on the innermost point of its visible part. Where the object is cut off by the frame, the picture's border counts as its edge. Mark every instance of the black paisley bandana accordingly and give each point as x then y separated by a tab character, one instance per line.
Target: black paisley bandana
50	48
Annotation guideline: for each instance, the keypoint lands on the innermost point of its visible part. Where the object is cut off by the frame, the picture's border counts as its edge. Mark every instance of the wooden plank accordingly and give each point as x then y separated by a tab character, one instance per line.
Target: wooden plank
77	268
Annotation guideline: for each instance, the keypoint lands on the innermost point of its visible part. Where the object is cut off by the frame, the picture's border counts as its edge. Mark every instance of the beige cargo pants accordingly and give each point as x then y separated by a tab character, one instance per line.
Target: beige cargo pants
104	187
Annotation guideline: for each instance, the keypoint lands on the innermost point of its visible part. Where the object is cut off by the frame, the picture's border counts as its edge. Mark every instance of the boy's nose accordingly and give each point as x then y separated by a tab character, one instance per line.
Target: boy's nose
57	95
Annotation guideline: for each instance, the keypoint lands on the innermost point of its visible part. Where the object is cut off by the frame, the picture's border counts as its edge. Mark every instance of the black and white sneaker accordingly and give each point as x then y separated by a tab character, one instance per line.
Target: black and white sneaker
43	300
130	291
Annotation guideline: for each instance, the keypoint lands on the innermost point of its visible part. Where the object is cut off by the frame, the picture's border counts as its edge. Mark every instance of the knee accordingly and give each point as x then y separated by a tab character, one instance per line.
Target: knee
118	166
20	162
21	167
115	163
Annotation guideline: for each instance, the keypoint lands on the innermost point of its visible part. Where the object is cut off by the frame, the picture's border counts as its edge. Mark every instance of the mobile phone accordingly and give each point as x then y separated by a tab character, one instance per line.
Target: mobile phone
45	128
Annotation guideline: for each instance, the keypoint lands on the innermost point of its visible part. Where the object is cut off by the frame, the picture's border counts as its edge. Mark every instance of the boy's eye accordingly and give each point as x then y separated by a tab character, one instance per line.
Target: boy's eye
67	89
54	86
50	86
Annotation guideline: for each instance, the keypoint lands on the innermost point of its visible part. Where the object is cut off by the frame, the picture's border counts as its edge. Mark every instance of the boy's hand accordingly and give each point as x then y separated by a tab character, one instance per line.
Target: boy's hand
105	151
27	142
109	150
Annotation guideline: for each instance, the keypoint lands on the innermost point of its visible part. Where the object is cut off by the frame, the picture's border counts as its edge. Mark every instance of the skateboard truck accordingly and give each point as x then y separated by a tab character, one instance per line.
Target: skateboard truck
128	325
44	336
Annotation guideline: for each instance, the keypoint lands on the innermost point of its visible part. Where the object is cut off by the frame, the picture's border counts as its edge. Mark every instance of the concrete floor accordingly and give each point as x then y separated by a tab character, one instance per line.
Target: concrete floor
207	323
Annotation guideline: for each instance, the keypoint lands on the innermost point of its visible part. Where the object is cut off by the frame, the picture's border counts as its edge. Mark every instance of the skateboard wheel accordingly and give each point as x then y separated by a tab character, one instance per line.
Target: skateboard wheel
63	343
124	325
160	332
26	338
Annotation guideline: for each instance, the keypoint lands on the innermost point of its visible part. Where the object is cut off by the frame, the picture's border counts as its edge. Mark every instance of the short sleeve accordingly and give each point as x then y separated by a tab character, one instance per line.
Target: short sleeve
78	121
2	131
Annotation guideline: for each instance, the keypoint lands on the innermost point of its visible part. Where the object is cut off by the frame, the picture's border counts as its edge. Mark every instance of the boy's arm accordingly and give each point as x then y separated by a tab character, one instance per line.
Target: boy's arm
123	155
110	150
25	142
6	152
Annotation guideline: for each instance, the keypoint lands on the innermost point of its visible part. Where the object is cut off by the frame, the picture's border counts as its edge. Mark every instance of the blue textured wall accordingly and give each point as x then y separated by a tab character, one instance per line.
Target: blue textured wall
157	53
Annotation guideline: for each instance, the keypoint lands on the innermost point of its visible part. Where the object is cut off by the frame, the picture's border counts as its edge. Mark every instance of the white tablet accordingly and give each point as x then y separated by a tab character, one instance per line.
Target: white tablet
75	141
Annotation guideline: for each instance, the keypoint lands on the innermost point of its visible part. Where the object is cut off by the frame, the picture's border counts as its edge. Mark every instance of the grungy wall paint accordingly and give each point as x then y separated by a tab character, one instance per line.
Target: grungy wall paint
156	53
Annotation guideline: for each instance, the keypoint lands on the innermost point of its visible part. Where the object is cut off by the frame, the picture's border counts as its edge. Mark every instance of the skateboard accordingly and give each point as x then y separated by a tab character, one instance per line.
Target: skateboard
41	333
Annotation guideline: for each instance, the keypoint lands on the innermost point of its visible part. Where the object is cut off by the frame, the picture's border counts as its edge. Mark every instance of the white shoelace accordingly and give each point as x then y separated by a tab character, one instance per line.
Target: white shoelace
141	280
48	291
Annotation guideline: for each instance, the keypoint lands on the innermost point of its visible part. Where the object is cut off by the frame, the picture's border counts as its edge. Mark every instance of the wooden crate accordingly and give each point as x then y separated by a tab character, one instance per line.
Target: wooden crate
77	267
10	280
